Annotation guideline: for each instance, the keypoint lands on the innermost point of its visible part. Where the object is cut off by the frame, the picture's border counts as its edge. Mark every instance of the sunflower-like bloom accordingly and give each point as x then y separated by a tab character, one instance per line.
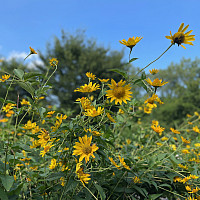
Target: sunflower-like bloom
53	62
175	131
84	148
90	75
93	112
131	42
154	71
123	163
156	83
24	102
158	129
84	178
181	37
185	141
32	51
4	78
118	92
85	102
88	88
150	102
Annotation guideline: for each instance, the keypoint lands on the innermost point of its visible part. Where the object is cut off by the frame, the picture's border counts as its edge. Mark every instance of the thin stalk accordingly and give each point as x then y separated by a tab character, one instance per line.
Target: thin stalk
154	60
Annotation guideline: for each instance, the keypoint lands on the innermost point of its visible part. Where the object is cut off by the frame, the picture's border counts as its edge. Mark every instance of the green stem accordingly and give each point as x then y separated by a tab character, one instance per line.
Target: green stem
50	77
7	94
155	59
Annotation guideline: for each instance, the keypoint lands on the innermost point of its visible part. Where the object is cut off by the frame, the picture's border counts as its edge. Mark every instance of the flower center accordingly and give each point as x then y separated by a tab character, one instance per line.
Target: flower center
87	150
119	92
178	38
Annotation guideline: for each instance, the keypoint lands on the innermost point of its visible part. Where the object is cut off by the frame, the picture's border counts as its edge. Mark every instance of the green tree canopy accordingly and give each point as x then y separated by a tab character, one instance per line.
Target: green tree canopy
181	94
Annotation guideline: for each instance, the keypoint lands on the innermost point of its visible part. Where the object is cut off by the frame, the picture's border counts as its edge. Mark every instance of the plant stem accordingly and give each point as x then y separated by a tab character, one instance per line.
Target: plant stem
155	59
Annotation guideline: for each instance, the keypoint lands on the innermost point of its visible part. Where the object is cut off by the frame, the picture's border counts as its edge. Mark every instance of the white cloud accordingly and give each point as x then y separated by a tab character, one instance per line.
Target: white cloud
16	55
31	61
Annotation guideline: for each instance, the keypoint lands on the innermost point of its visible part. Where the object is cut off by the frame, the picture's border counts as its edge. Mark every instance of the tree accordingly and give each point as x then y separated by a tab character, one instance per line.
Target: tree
76	56
181	94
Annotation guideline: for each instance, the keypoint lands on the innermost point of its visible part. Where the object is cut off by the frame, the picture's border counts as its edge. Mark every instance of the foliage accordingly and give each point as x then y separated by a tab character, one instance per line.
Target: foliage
107	151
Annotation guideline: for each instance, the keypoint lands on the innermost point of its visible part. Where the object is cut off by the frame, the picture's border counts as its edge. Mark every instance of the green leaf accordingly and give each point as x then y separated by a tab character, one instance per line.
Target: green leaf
121	72
42	111
166	185
7	101
100	190
71	185
154	196
132	59
55	176
27	86
7	181
31	75
3	195
19	73
143	76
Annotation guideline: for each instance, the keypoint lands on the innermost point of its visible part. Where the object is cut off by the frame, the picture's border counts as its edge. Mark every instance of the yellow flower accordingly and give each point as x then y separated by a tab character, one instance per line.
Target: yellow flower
154	71
50	113
185	151
90	75
46	149
147	110
53	62
62	179
95	133
193	176
3	120
53	164
173	146
4	78
159	144
84	178
131	42
183	166
188	188
85	102
24	102
29	125
164	138
195	190
156	83
114	163
84	148
32	51
150	102
154	122
136	179
196	129
8	107
185	141
121	111
188	115
158	129
128	141
88	88
104	80
10	113
93	112
196	113
110	118
197	144
123	163
181	37
118	92
174	131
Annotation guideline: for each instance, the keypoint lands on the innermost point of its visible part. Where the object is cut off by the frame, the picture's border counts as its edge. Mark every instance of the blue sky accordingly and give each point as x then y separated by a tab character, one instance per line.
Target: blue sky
27	23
